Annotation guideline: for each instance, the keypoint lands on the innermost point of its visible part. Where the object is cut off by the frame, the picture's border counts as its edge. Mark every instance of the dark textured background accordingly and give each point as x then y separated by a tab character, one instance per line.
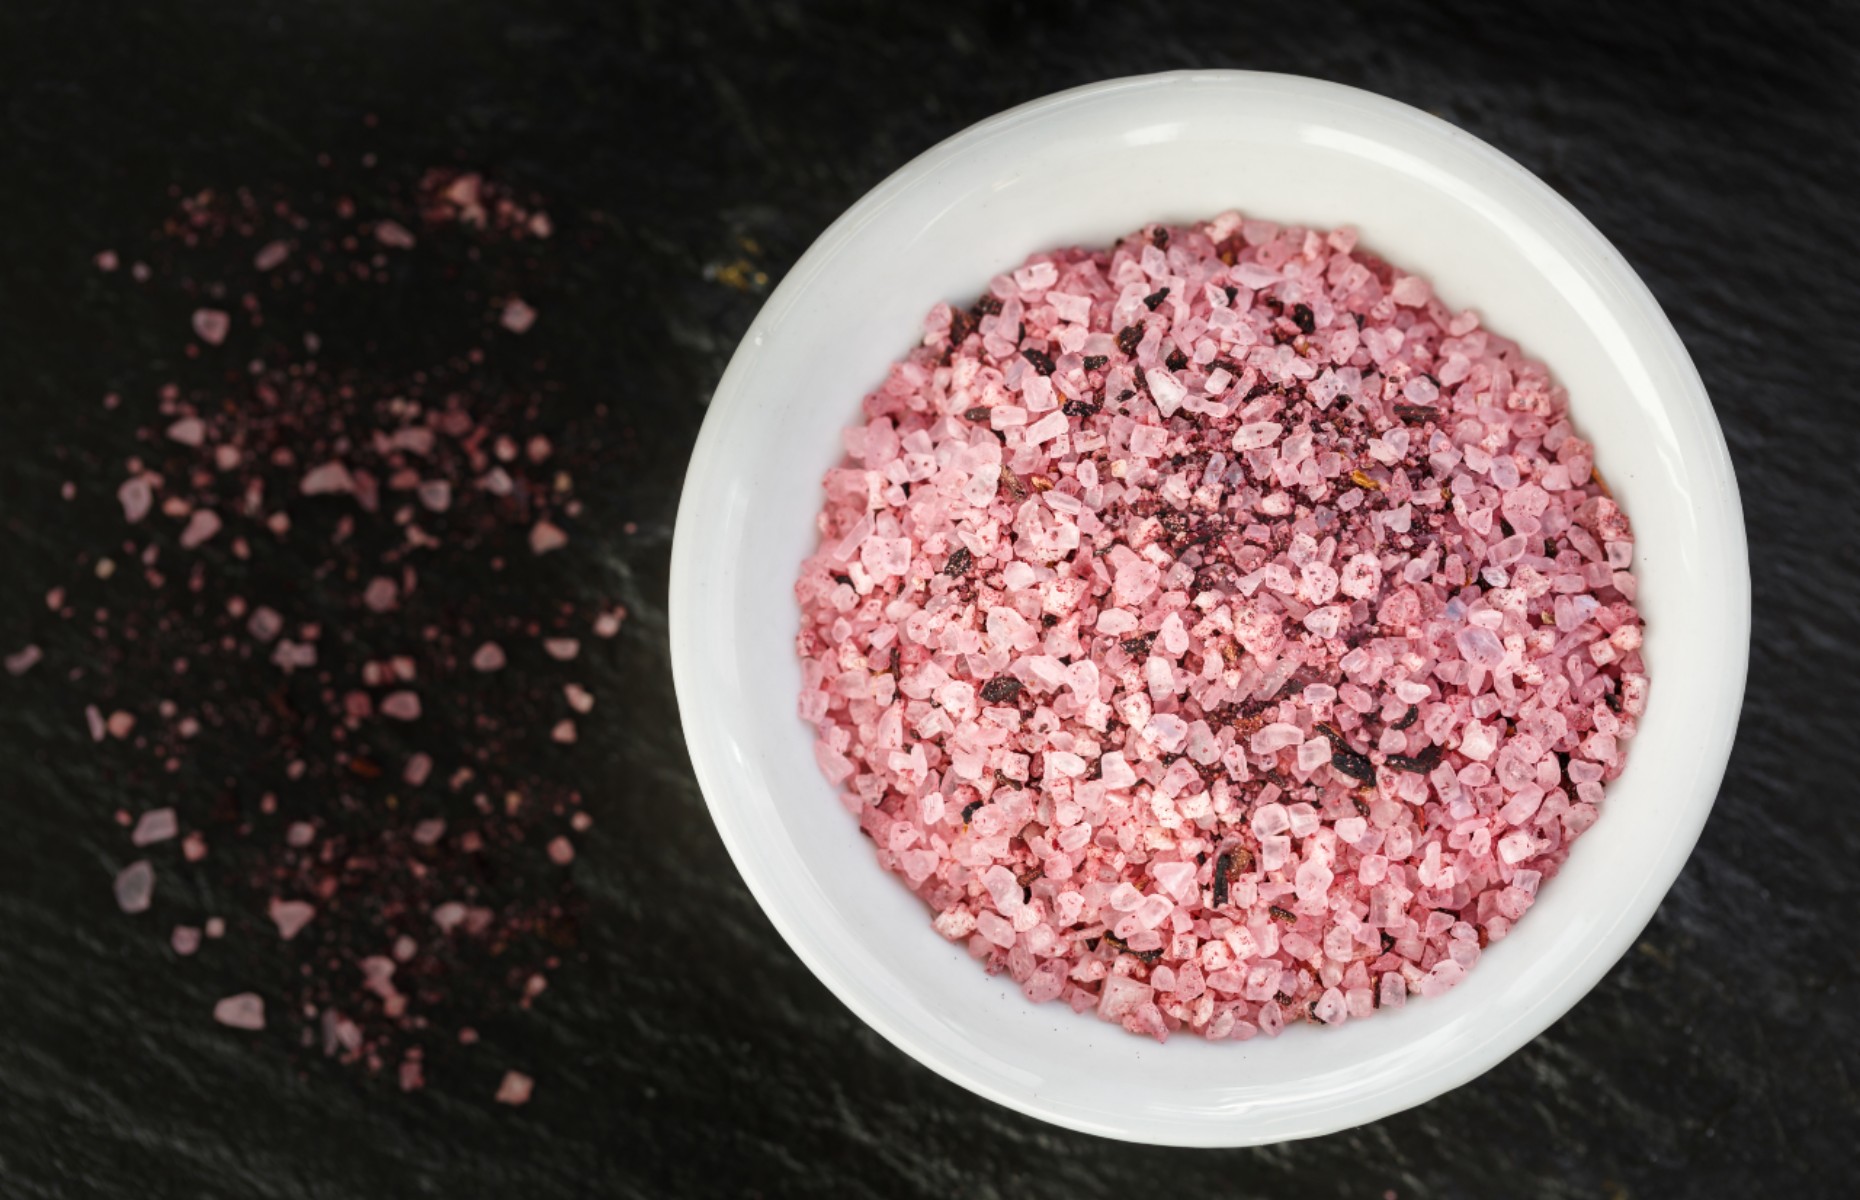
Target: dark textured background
1715	143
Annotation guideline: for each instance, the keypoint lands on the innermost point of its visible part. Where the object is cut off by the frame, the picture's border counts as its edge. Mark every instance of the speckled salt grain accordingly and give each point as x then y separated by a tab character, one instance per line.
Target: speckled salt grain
185	939
402	705
1224	661
23	659
517	316
488	657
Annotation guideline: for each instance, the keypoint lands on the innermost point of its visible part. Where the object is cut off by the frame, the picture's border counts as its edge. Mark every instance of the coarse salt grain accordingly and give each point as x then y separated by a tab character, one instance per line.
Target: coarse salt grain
1317	522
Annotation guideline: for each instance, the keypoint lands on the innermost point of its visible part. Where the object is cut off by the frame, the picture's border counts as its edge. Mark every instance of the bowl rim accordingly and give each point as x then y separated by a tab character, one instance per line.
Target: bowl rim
706	745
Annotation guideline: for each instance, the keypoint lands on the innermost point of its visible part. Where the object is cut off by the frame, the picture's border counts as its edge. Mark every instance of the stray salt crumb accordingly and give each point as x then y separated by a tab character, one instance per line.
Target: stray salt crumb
331	478
419	766
393	234
515	1088
201	526
136	497
608	623
243	1011
562	649
290	916
135	887
579	698
155	825
215	927
517	316
93	718
271	255
211	325
106	261
120	723
489	657
564	732
185	939
23	659
402	705
561	851
545	537
189	431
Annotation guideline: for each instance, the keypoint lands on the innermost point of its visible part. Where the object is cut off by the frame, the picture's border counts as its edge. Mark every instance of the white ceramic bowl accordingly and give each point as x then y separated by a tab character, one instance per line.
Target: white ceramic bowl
1084	167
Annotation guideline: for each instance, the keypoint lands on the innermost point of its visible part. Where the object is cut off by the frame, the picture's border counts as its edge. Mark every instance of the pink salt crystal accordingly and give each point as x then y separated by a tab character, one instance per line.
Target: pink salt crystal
579	698
436	494
412	1076
561	851
290	916
517	316
136	497
189	431
449	916
564	732
215	927
545	537
393	235
155	825
561	649
419	766
135	887
271	255
120	724
428	833
402	705
515	1088
194	846
331	478
264	624
201	526
105	260
185	939
488	657
381	595
94	719
211	325
243	1011
23	659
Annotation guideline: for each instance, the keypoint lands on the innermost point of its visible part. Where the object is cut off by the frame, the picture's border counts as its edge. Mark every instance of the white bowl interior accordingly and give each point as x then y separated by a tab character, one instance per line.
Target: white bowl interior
1083	168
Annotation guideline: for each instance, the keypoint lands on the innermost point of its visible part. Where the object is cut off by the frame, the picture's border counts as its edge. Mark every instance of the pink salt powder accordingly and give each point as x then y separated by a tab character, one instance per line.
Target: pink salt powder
1218	631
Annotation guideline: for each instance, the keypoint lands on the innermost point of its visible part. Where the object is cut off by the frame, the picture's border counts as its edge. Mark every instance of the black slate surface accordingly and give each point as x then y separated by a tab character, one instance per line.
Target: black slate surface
1715	143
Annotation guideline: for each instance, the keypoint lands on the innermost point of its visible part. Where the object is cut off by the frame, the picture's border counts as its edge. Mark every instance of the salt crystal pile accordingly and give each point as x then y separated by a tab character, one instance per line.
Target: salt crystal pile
1219	631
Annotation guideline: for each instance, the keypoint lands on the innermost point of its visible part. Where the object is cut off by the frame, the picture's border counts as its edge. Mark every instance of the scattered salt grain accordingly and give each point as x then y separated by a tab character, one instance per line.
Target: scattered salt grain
517	316
23	659
488	657
515	1088
545	537
243	1011
155	825
211	325
135	887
